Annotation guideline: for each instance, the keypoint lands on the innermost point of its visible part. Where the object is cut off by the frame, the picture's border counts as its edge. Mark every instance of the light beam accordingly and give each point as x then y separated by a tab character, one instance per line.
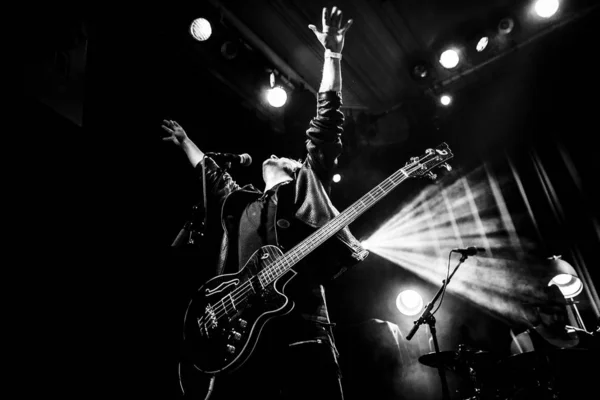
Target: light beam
470	210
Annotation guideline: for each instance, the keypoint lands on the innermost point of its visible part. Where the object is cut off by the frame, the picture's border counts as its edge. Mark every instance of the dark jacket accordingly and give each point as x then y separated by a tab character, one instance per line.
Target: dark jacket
303	204
306	201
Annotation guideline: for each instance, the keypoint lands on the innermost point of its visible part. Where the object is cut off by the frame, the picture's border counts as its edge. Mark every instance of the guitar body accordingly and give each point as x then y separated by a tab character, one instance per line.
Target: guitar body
226	315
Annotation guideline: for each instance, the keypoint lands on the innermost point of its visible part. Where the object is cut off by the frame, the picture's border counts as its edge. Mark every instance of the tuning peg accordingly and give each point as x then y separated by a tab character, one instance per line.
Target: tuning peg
431	176
447	166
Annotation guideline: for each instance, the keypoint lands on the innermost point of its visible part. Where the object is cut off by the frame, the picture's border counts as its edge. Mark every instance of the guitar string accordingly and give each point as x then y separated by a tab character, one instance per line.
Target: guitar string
223	310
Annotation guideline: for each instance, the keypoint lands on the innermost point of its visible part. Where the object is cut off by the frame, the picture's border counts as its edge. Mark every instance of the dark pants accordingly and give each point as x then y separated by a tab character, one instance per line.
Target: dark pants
281	369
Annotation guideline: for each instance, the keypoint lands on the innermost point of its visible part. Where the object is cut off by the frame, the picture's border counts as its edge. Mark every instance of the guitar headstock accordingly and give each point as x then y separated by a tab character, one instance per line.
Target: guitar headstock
419	167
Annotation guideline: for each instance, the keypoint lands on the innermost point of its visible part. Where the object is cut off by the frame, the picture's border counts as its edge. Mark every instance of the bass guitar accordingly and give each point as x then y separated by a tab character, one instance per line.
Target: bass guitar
224	318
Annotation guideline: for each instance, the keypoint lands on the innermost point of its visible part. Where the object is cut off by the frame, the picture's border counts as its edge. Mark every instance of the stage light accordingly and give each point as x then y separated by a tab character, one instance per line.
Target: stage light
482	44
276	96
200	29
420	71
565	277
506	25
546	8
337	178
229	50
409	302
445	99
449	59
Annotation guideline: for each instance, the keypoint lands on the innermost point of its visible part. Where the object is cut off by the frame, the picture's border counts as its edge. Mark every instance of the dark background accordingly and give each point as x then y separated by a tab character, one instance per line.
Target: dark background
107	196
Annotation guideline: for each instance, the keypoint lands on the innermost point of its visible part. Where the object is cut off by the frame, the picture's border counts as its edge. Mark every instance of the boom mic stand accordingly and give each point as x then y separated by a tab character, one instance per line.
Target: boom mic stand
427	317
185	235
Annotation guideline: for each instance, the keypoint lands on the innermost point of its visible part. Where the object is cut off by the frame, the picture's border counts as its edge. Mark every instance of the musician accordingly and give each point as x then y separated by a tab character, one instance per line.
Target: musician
296	356
551	329
550	359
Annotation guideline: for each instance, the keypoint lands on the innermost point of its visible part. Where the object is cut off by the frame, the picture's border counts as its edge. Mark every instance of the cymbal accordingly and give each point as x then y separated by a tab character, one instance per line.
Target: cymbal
445	359
459	361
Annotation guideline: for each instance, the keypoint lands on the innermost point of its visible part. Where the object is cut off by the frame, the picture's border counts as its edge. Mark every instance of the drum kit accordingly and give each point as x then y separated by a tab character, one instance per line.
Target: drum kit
555	374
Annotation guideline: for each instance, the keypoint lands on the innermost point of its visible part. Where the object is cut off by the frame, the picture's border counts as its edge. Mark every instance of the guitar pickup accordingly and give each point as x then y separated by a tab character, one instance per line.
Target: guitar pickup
203	328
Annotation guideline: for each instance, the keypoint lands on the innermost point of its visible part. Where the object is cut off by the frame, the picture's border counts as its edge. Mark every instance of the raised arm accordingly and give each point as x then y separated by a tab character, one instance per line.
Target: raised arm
324	143
218	182
178	136
332	38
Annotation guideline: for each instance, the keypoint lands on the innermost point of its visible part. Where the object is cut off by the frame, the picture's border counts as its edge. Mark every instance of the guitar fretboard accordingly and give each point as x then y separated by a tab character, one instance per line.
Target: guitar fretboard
302	249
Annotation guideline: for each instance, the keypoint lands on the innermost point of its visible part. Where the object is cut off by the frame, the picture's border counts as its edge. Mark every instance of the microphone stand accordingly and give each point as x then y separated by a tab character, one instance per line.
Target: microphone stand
427	317
189	228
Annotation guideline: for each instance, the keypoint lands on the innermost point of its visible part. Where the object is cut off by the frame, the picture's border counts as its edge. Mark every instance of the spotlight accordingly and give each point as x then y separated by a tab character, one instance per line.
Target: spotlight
506	25
276	96
546	8
420	71
229	50
449	58
337	178
409	302
565	277
482	44
445	99
200	29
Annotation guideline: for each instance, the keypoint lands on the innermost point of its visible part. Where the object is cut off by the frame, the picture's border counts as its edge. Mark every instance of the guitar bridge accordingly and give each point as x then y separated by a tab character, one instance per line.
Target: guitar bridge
208	321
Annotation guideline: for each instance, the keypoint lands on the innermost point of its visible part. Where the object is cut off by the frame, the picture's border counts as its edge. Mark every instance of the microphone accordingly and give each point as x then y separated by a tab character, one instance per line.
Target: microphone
469	251
242	160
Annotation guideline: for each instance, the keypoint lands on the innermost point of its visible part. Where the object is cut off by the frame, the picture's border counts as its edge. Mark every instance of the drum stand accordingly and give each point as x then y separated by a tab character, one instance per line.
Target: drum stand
472	374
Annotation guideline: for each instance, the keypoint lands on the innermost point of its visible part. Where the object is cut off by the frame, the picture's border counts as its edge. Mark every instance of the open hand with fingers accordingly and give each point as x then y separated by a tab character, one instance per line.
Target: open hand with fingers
333	34
176	133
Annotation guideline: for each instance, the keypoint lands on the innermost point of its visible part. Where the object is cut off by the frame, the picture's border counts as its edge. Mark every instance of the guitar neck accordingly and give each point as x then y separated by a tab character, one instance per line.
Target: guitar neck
301	250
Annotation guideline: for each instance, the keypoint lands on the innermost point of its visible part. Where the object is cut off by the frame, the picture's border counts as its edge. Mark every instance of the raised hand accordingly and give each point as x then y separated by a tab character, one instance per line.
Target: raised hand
333	34
176	133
